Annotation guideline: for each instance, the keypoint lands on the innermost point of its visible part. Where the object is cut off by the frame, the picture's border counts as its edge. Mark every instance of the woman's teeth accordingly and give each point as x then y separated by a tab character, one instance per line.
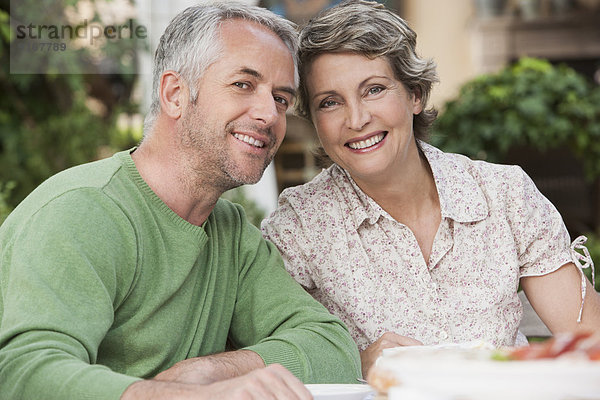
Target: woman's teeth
363	144
249	140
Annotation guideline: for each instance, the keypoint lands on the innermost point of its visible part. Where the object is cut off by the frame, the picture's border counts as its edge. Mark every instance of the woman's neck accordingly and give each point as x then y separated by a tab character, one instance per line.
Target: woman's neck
408	193
410	197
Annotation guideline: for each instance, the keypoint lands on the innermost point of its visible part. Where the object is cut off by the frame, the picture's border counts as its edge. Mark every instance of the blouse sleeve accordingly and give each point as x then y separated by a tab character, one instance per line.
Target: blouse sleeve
541	238
285	229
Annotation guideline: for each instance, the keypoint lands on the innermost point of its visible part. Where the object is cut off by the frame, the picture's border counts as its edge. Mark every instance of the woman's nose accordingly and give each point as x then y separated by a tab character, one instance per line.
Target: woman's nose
358	116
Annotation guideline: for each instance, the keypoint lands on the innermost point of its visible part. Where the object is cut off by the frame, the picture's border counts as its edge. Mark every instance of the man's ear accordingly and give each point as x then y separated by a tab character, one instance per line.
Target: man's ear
172	92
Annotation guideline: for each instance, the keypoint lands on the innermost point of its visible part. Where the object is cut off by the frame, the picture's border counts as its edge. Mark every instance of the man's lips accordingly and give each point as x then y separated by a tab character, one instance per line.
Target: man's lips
366	142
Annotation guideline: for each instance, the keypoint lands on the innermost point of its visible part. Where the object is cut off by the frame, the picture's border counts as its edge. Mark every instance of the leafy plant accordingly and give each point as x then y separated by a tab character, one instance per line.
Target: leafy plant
593	246
5	208
531	103
52	121
254	212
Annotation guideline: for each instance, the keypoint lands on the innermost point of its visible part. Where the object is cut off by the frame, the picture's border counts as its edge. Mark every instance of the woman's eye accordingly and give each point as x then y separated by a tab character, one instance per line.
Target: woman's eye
327	103
376	90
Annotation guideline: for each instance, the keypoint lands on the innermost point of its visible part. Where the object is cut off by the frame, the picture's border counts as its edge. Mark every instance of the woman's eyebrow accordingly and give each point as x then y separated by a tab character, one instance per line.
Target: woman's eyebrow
362	84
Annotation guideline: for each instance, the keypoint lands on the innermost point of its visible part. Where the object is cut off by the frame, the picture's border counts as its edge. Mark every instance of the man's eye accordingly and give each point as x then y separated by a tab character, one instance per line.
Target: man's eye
241	85
282	100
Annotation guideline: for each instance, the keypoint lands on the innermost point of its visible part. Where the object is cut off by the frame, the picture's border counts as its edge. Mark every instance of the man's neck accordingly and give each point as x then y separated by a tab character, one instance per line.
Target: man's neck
180	189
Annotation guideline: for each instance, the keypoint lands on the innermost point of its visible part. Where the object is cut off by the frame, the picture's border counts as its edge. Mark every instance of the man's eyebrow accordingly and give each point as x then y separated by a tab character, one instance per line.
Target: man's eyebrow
252	72
287	89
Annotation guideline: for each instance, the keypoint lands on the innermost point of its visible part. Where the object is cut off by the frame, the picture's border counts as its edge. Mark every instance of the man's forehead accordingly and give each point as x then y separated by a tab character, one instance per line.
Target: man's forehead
252	49
237	28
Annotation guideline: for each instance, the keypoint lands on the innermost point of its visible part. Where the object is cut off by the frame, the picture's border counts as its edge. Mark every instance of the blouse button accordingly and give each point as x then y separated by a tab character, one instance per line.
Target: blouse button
442	335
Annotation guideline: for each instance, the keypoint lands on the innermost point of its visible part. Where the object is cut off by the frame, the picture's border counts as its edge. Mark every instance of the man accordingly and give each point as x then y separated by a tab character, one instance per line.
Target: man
131	267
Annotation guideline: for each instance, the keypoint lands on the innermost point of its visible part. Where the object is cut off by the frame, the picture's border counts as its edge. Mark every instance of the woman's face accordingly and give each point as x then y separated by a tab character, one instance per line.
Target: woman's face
363	115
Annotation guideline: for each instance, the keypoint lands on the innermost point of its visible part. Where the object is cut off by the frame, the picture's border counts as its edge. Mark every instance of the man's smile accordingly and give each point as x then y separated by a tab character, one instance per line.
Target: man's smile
249	139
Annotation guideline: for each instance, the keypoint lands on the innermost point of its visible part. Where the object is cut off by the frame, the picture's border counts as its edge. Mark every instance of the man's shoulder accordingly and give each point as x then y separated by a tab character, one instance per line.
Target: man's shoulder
95	174
227	218
225	209
68	188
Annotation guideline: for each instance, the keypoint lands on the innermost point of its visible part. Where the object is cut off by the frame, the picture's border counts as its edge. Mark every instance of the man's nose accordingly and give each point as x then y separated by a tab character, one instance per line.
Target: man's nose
264	109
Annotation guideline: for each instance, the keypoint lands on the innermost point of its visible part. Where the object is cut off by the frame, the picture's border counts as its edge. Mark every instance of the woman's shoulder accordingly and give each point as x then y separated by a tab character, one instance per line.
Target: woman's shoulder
310	203
323	188
504	180
486	174
497	185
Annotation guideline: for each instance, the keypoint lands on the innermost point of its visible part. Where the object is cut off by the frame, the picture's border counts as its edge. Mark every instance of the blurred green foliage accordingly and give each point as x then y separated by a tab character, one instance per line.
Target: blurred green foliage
52	121
593	245
254	212
5	208
531	103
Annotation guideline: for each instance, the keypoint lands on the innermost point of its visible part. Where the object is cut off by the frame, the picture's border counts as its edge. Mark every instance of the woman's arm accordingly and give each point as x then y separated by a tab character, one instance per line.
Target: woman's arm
556	298
388	340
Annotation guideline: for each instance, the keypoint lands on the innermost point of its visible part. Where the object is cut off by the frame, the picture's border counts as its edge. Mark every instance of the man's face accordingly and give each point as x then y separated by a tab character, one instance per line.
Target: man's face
238	121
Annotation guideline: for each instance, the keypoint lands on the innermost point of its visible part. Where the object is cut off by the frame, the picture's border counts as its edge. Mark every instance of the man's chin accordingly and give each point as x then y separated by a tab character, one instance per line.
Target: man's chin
240	178
246	171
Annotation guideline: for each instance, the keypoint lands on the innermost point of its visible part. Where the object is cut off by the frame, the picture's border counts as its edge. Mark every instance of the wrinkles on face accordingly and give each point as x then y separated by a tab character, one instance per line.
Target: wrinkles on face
231	132
197	139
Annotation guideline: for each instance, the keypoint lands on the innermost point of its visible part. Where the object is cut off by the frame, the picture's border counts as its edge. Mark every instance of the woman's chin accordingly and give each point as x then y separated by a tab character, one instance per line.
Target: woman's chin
369	172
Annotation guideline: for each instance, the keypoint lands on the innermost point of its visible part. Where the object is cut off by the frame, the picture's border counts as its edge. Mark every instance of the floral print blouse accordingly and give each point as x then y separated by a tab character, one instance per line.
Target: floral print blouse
368	269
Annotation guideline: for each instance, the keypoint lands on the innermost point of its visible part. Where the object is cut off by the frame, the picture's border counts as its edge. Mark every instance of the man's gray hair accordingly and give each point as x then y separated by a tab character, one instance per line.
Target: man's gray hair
369	29
191	43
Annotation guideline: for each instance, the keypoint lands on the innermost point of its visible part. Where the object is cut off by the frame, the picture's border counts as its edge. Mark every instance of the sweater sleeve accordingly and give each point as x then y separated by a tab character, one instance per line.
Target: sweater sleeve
59	287
277	319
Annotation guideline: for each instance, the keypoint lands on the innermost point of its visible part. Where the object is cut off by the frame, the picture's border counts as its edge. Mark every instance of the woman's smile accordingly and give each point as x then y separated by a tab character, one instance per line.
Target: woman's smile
368	143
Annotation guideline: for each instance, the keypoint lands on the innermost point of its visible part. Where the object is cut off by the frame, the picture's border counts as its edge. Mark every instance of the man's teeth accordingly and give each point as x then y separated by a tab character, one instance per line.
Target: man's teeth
363	144
249	140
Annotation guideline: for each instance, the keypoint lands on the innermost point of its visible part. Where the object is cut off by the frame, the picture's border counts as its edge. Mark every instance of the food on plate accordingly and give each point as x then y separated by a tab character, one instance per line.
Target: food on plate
563	367
581	344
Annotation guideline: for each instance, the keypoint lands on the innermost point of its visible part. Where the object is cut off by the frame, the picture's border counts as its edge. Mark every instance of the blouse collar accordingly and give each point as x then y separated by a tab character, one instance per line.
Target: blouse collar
461	198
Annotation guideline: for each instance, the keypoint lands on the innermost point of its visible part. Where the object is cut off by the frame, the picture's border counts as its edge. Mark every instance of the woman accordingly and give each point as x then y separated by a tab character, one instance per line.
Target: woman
407	244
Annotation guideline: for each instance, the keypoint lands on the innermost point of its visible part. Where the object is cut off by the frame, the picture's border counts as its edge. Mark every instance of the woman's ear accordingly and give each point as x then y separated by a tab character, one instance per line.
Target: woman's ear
171	94
417	101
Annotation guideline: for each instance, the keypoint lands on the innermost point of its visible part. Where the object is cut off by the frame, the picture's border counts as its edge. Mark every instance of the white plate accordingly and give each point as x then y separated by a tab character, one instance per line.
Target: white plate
471	374
341	391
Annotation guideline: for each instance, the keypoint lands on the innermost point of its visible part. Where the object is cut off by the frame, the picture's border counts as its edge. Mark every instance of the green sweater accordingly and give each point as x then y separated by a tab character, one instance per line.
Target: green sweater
102	284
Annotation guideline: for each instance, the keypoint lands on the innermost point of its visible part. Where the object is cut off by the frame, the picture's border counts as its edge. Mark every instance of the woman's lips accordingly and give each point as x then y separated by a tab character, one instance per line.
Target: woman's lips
367	142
